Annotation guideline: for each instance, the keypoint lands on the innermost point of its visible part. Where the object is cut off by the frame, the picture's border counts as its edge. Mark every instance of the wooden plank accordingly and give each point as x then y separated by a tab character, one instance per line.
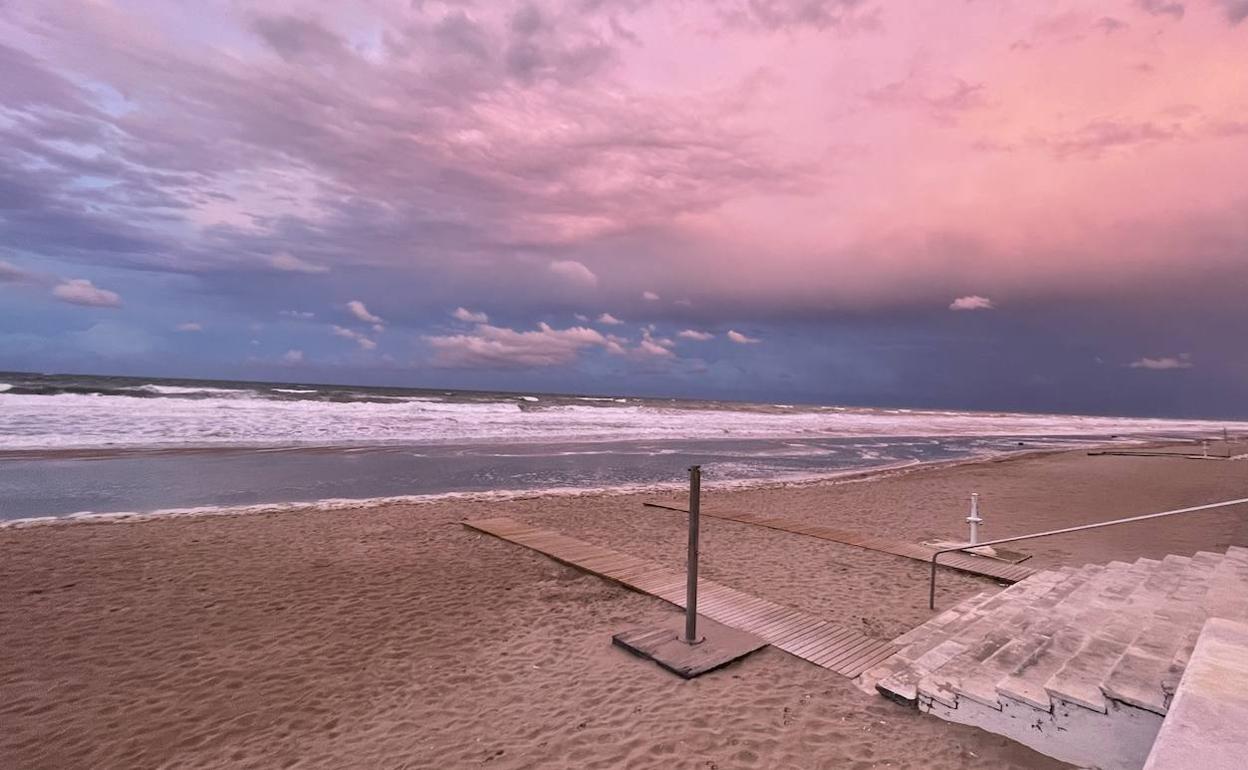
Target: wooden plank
807	636
837	635
795	631
773	622
834	658
744	616
789	626
870	657
765	609
824	636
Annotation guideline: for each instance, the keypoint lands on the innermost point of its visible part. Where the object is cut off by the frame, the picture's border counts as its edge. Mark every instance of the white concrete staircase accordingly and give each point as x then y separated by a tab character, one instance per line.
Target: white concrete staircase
1079	664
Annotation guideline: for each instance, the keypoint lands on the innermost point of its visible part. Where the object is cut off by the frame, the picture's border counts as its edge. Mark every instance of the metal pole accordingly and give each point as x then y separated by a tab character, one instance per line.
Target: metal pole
691	580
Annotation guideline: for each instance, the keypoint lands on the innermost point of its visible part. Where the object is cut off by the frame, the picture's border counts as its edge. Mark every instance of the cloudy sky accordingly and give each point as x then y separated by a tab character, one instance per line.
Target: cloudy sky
976	204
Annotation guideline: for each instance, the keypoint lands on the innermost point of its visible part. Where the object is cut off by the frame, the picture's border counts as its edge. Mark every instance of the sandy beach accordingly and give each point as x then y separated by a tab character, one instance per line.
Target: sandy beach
395	638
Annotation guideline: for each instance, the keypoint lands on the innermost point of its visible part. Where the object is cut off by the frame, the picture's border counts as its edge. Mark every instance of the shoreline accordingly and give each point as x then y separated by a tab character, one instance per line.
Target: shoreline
797	481
362	504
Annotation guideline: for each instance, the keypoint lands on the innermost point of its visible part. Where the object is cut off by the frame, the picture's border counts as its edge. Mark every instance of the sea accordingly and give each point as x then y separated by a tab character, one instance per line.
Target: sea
75	445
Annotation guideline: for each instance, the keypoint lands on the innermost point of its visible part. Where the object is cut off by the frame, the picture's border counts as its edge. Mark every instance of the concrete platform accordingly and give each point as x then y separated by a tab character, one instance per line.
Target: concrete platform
1207	726
1081	664
664	645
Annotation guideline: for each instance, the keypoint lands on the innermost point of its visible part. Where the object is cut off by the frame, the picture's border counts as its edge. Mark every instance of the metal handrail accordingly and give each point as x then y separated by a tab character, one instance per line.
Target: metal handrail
931	592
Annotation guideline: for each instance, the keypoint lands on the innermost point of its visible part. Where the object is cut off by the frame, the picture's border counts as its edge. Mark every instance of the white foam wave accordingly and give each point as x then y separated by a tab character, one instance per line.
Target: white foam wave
5	386
174	390
231	418
292	390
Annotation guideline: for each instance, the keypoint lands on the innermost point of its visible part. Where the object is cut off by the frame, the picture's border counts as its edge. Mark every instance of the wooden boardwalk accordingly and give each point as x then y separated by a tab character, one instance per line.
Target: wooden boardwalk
964	562
832	646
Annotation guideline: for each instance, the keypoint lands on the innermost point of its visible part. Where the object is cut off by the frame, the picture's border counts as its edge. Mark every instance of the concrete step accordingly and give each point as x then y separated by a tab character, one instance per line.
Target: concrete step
1225	597
943	619
1068	632
936	631
980	682
1204	728
1079	663
1137	679
908	668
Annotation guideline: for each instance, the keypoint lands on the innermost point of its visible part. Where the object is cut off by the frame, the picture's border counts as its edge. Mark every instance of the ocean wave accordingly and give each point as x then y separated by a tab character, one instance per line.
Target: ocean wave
174	390
68	415
5	386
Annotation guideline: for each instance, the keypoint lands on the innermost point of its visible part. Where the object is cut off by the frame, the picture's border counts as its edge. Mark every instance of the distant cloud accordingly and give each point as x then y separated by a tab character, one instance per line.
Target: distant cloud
468	316
289	263
1182	361
1109	25
297	314
581	317
942	101
364	342
574	271
10	273
494	347
357	309
1099	137
1236	10
80	291
292	356
189	327
650	296
655	347
1161	7
741	339
972	302
607	318
694	334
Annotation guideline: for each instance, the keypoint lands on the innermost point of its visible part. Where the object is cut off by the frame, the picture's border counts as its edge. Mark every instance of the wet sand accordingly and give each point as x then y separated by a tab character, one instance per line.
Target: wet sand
394	638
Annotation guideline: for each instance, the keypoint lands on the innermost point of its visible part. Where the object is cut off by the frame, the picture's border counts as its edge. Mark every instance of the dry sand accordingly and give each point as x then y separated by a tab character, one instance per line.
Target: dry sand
395	638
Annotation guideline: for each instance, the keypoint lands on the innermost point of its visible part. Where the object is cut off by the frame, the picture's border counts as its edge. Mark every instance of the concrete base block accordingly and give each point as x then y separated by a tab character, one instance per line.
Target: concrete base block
665	645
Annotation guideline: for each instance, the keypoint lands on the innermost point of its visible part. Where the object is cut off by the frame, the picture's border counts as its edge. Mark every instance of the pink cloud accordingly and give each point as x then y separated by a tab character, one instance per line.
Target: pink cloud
289	263
972	302
695	335
80	291
497	347
574	272
360	311
742	339
468	316
496	151
1181	361
358	338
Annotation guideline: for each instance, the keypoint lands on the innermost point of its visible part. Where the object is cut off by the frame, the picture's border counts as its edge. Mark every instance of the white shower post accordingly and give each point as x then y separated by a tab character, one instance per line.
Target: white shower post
974	518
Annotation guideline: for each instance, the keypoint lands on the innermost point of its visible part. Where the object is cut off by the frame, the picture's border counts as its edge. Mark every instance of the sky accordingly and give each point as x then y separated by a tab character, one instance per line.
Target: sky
979	205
